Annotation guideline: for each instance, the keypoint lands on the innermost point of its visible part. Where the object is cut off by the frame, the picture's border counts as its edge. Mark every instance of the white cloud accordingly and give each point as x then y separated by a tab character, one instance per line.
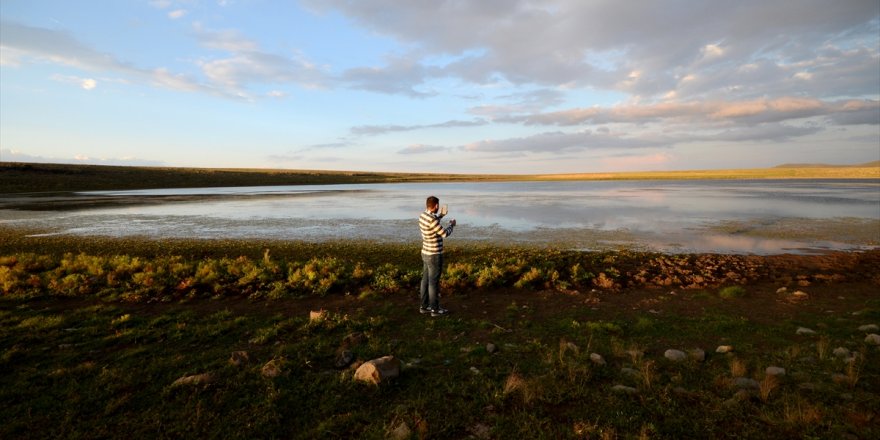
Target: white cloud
160	4
89	84
176	14
11	155
423	149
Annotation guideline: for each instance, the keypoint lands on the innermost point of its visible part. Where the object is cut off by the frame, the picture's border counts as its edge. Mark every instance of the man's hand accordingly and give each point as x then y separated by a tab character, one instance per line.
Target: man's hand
452	222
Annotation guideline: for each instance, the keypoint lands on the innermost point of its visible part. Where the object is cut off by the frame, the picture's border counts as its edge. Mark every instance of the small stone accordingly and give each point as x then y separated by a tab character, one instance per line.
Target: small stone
378	370
401	432
317	315
480	431
839	378
724	349
344	358
803	331
697	354
775	371
745	383
623	389
239	358
869	328
675	355
271	369
629	372
196	379
476	371
782	290
491	348
841	352
872	339
800	295
597	359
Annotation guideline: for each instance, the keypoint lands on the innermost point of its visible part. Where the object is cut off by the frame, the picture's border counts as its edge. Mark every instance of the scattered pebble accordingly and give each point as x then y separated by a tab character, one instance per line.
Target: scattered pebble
196	379
872	339
805	331
597	359
775	371
476	371
675	355
724	349
782	290
697	354
623	389
841	352
869	328
491	348
401	432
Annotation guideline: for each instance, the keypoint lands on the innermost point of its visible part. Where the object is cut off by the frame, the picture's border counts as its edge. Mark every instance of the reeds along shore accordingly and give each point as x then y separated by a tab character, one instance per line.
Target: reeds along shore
33	177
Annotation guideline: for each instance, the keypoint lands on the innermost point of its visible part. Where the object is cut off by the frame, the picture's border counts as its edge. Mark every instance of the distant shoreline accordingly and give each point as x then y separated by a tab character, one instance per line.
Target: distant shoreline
18	177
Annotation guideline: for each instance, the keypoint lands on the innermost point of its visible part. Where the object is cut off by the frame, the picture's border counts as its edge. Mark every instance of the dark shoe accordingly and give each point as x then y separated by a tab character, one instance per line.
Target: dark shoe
439	312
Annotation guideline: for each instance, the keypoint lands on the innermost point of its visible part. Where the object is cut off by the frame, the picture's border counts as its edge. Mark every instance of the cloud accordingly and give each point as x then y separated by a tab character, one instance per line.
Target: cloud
160	4
10	155
84	83
371	130
176	14
706	112
558	142
644	50
423	149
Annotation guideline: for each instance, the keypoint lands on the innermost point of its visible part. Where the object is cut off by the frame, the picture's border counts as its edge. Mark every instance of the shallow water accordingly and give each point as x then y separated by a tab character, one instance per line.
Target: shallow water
762	217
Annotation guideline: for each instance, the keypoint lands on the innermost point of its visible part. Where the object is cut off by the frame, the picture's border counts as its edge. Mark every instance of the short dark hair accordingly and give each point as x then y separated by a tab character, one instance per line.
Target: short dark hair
431	202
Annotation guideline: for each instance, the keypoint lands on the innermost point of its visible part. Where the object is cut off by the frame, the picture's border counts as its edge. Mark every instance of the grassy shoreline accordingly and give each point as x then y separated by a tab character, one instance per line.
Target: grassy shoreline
37	178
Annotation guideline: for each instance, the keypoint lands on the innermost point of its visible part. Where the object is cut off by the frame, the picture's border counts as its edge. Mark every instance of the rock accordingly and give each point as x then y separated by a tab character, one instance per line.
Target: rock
629	372
724	349
378	370
840	378
196	379
239	358
476	371
782	290
867	328
271	369
480	431
799	295
841	352
872	339
401	432
745	383
675	355
623	389
697	354
597	359
343	359
491	348
317	315
775	371
803	331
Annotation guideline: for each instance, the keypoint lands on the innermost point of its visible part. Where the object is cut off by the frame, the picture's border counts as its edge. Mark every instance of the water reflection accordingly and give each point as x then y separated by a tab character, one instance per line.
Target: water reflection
674	216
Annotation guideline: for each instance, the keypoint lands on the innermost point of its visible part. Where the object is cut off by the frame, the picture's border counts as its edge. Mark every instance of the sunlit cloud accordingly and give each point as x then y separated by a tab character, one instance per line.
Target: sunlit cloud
176	14
423	149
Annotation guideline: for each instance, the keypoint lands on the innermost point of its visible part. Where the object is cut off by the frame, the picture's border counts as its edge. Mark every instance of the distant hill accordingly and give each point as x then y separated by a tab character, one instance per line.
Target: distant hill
875	163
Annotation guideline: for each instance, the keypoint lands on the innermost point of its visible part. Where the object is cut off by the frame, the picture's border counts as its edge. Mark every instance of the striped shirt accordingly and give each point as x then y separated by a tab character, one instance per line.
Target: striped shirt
432	233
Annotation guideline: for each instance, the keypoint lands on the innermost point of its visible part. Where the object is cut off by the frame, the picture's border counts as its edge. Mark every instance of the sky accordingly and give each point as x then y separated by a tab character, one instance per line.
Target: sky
491	86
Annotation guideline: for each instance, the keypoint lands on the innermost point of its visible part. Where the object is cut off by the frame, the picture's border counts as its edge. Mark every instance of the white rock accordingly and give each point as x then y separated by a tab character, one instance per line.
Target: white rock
491	348
623	389
724	349
317	315
481	431
775	371
378	370
675	355
697	354
869	328
782	290
597	359
800	295
805	331
746	383
841	352
401	432
872	339
196	379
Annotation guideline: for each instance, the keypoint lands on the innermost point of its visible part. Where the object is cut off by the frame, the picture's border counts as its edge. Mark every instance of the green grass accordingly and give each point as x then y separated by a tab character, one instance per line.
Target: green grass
732	292
105	370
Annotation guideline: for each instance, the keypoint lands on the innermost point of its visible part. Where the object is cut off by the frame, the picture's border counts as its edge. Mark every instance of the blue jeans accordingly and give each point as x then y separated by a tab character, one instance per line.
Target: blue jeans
430	289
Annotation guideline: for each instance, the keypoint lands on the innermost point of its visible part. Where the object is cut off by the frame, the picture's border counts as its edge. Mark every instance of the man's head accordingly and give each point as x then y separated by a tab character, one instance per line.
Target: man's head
432	203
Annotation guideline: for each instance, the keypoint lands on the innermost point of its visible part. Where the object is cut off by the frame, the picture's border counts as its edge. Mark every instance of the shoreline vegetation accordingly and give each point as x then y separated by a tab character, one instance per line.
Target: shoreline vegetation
18	177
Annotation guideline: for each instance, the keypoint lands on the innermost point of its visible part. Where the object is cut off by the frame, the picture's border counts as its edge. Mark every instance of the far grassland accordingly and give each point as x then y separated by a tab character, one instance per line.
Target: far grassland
37	177
92	343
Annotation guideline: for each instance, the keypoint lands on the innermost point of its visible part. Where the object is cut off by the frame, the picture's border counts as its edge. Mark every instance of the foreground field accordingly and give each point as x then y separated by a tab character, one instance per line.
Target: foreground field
95	343
35	177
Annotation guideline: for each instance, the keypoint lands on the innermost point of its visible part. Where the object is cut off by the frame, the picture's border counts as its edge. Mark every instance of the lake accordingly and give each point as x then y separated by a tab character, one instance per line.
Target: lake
760	216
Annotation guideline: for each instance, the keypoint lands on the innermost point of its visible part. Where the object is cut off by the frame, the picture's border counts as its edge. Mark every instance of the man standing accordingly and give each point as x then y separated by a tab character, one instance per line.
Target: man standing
432	255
